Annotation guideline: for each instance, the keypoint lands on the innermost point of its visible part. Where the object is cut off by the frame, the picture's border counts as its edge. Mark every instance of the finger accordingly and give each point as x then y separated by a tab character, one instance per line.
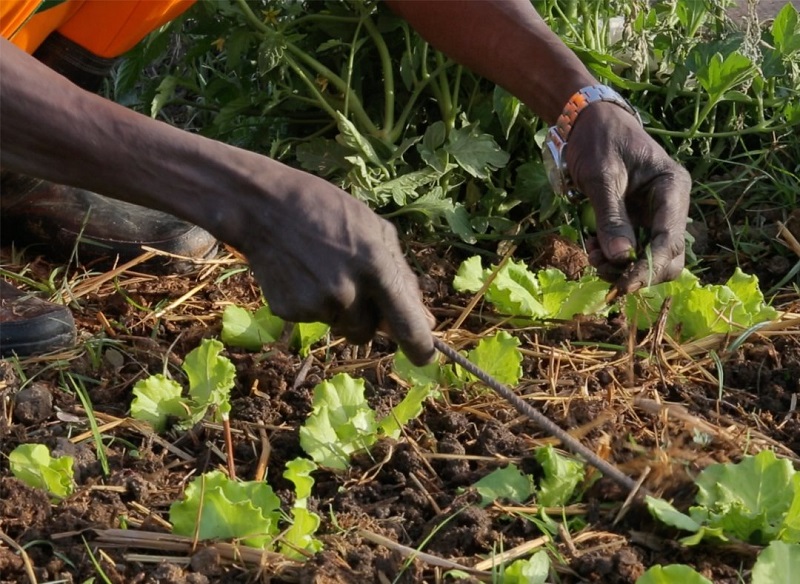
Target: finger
358	322
404	315
661	266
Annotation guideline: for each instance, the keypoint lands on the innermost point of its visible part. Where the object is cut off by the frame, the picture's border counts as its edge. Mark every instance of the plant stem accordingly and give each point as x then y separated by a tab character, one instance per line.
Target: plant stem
388	74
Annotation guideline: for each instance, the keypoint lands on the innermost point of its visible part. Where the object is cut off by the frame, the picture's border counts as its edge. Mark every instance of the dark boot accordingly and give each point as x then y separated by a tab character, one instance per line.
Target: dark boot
29	325
38	212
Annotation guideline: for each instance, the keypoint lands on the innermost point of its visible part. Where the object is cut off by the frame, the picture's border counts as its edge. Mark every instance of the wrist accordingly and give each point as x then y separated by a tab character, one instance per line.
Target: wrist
554	150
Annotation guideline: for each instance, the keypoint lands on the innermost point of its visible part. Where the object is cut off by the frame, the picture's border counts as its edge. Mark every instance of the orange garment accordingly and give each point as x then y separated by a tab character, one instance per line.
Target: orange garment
106	28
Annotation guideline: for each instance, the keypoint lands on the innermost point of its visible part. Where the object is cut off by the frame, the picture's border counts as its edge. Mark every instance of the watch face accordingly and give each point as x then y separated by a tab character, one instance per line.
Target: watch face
552	157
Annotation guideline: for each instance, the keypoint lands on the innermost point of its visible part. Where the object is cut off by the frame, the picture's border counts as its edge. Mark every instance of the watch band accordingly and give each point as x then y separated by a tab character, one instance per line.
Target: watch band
583	98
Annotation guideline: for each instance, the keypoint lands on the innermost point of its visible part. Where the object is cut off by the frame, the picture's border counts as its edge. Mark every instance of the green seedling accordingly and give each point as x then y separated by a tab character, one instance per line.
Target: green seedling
32	464
561	477
756	500
252	330
216	507
157	400
342	421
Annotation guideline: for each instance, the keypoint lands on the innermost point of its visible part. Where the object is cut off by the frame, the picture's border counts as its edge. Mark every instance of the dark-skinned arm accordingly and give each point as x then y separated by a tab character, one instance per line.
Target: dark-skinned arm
318	254
629	179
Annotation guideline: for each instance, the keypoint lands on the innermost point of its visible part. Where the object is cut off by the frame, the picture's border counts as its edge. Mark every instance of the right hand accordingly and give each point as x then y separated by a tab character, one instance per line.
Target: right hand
321	255
633	185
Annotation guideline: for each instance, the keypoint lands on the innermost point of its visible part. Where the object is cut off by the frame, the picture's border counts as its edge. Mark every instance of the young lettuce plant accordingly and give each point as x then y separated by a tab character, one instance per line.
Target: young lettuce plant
211	377
342	422
561	477
33	465
252	330
216	507
697	310
779	563
756	500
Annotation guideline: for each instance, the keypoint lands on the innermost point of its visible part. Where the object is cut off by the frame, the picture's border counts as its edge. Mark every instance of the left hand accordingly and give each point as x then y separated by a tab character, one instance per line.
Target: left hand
632	184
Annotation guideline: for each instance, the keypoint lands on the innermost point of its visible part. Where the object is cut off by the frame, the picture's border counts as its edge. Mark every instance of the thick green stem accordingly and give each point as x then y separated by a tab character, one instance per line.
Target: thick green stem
338	83
320	69
400	125
445	102
757	129
388	74
250	15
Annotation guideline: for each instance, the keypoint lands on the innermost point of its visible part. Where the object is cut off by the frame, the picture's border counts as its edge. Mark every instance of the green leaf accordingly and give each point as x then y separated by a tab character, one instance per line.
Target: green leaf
719	75
470	276
248	330
778	564
156	399
306	334
785	31
33	465
430	374
300	536
790	528
350	136
506	106
507	483
164	93
698	311
517	291
323	157
408	409
476	153
403	188
236	44
341	422
561	476
666	513
531	571
270	53
672	574
459	221
211	377
500	357
215	507
748	500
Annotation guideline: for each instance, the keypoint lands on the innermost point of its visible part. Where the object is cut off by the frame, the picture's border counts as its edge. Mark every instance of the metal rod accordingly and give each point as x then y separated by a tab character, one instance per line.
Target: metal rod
546	424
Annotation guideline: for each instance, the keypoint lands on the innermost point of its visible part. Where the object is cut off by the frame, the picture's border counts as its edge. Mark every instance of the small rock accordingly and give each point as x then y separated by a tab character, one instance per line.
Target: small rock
34	404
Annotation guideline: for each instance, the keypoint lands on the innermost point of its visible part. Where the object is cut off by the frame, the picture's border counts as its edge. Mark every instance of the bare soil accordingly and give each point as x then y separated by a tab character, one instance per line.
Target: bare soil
658	410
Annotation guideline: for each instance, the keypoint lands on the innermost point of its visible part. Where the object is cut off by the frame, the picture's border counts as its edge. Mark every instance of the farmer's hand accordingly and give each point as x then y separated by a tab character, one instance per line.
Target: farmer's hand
632	184
321	255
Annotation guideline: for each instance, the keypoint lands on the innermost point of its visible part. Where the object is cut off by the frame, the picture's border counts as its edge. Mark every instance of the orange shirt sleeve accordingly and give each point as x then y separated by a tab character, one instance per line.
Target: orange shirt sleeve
104	28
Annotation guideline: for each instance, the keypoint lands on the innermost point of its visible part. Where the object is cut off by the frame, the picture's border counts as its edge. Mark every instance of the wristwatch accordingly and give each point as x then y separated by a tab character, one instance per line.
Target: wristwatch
554	154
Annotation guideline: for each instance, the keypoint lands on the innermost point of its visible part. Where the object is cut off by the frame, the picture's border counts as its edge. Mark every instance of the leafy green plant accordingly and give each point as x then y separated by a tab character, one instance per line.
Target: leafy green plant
777	564
755	500
498	355
672	574
696	311
533	570
252	330
216	507
699	310
32	464
342	421
545	295
561	475
300	535
211	377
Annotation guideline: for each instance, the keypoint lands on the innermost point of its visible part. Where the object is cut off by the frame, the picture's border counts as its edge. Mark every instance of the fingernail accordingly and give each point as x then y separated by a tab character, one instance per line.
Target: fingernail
620	248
